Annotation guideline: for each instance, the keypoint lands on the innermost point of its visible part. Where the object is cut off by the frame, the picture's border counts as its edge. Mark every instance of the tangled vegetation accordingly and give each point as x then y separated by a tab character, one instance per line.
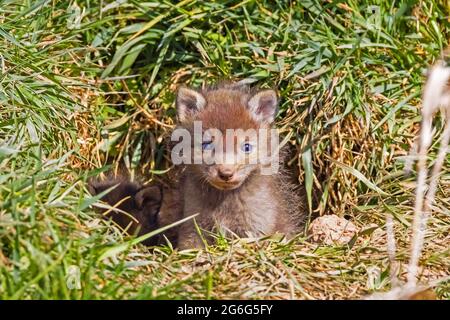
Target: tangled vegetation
88	85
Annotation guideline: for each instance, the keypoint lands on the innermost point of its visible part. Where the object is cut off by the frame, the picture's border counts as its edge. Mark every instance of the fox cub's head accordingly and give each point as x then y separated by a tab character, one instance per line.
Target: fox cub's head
226	133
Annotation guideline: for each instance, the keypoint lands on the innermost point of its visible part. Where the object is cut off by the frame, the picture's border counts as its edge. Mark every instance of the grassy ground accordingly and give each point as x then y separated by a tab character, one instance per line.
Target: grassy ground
86	85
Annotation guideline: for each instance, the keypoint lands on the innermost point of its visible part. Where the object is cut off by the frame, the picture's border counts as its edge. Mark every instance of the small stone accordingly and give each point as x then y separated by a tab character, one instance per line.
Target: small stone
332	230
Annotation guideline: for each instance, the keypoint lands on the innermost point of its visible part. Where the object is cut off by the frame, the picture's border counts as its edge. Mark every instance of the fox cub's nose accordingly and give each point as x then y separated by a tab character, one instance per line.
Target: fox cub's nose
225	174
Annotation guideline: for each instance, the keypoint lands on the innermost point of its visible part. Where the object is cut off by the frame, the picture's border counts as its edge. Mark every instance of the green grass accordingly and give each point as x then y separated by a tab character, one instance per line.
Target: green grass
85	87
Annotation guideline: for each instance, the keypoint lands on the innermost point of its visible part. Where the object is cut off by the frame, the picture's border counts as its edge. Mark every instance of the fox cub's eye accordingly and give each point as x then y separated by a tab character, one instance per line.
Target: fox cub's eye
207	145
247	147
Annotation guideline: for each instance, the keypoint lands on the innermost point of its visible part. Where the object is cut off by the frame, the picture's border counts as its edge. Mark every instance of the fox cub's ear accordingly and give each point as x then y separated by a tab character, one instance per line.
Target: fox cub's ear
264	106
148	196
189	102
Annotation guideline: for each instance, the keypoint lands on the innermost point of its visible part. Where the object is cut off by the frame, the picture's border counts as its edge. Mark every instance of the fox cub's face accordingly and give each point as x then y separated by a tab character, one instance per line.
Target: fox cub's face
230	132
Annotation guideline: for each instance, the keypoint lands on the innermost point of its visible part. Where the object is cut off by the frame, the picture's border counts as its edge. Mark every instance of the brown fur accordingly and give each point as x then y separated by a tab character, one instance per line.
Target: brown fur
260	204
146	207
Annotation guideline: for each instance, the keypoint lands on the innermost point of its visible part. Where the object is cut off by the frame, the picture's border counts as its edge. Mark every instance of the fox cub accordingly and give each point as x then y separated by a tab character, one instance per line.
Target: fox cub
228	184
